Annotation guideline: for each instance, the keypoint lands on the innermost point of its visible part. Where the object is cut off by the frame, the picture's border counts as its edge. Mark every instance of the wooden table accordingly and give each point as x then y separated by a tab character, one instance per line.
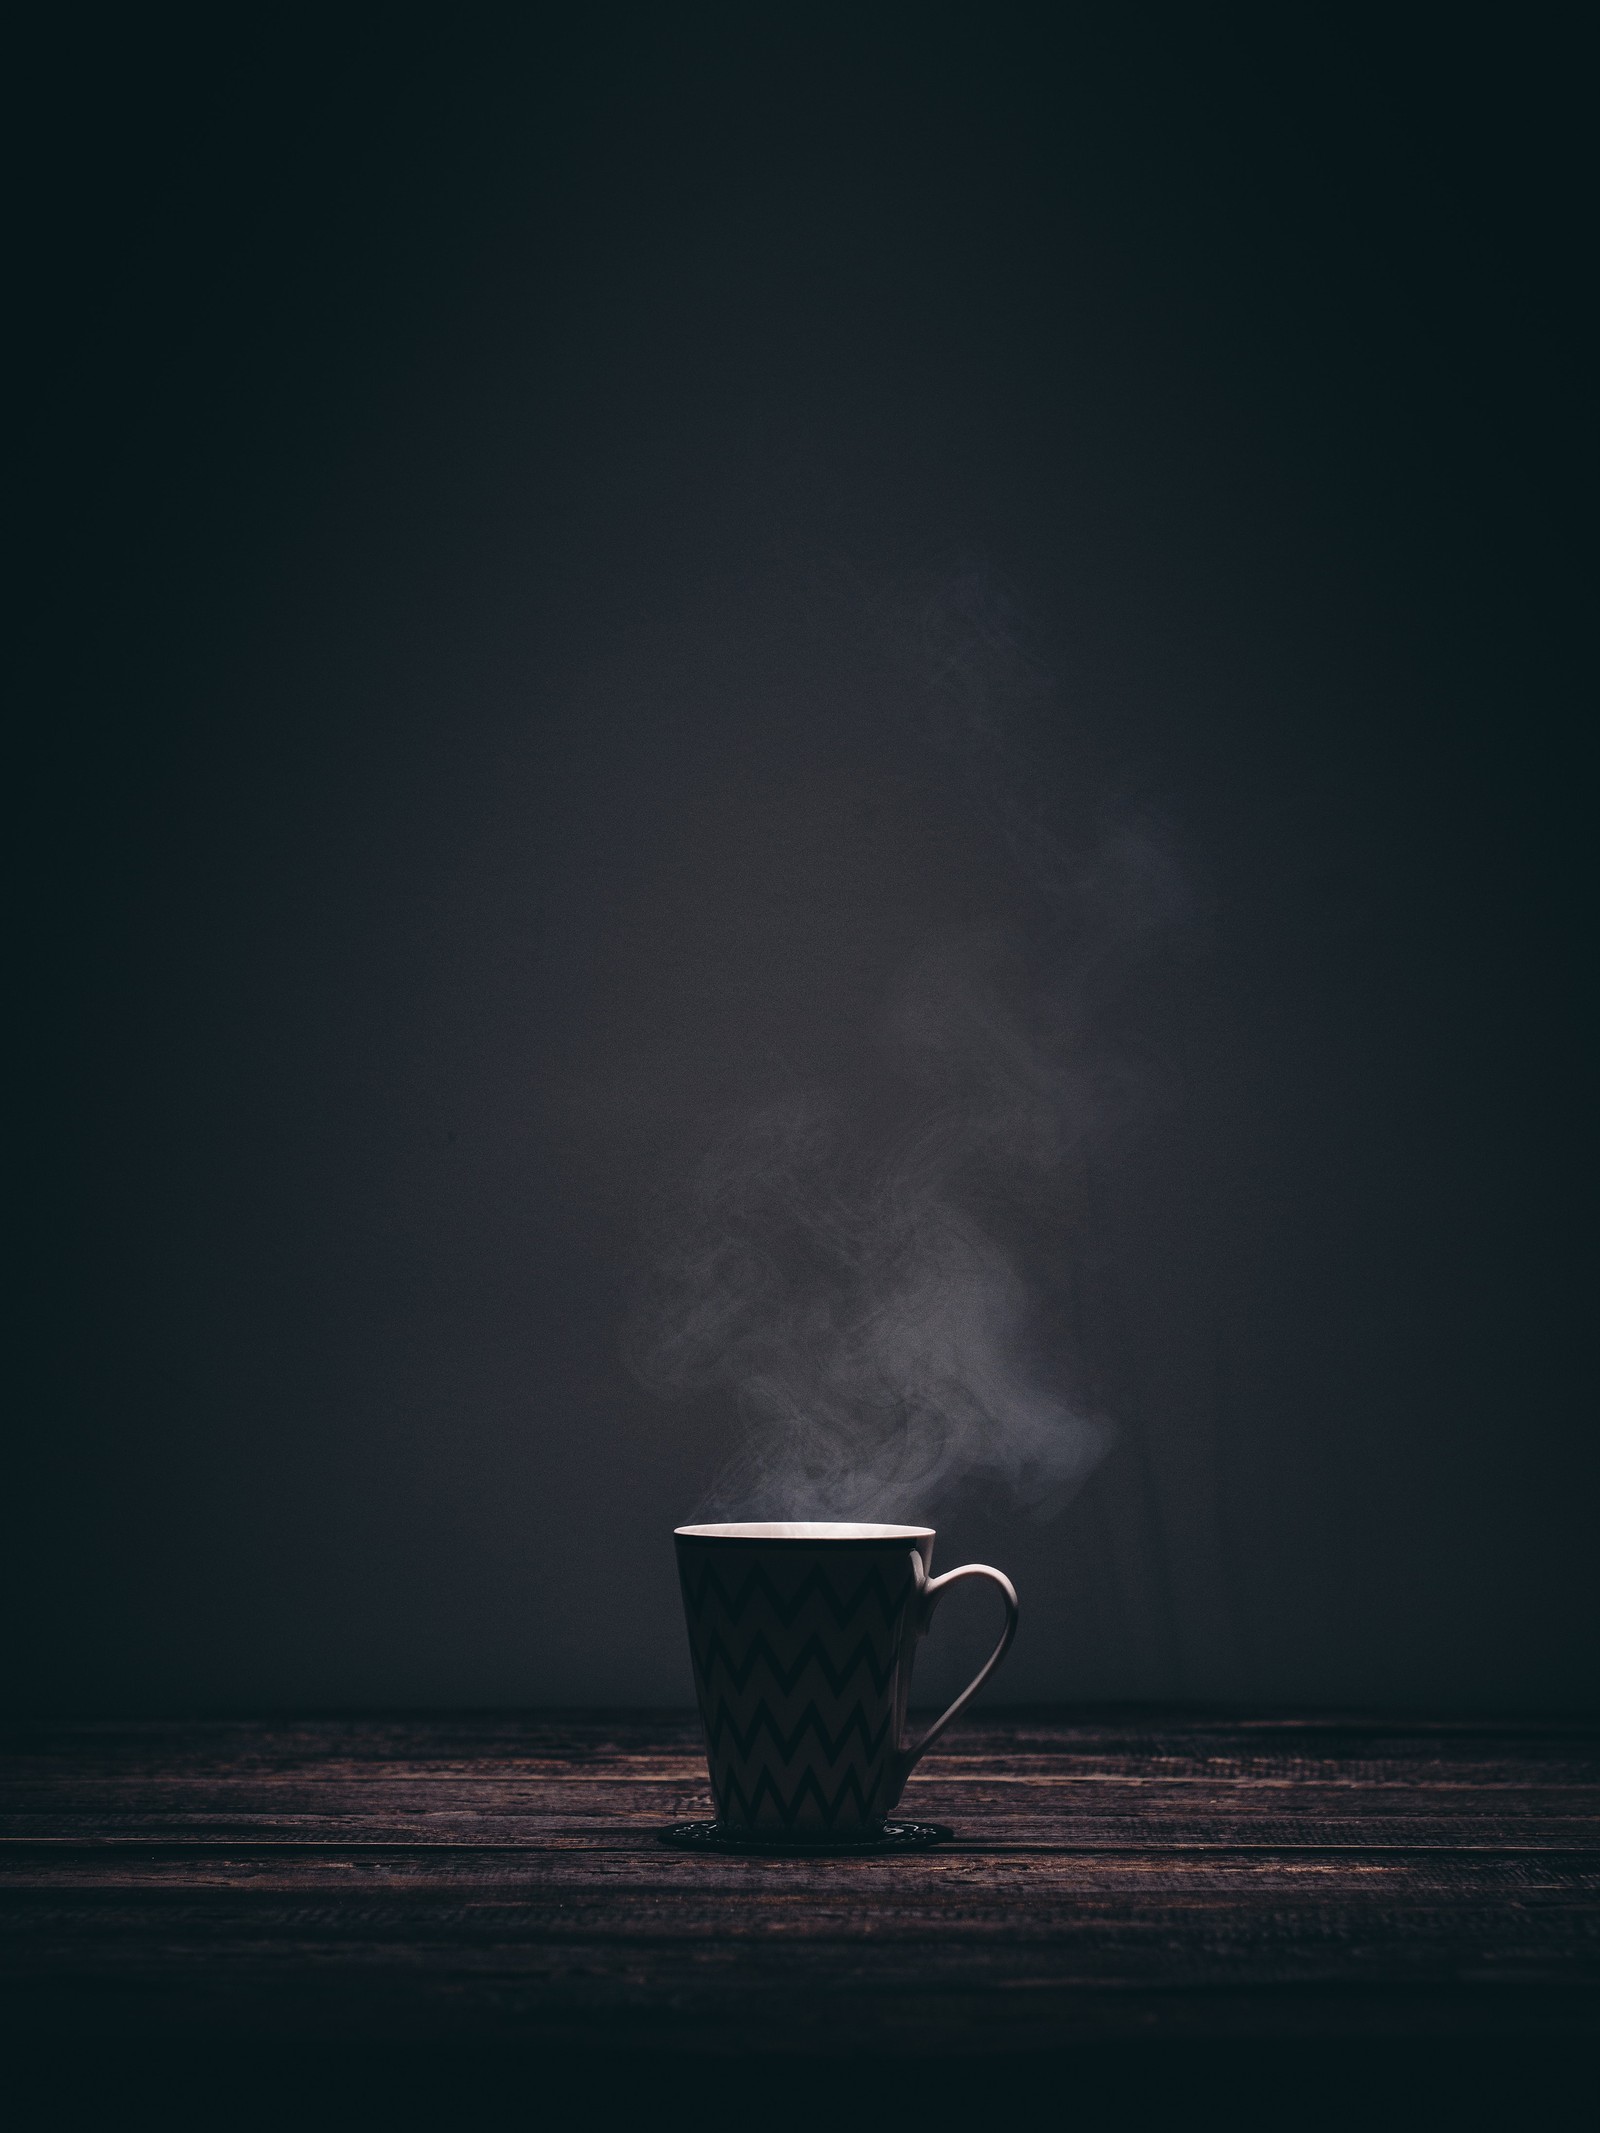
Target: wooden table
1123	1874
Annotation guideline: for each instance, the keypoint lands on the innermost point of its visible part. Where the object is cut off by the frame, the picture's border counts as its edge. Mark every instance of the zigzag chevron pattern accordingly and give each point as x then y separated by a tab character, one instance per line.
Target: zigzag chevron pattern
802	1662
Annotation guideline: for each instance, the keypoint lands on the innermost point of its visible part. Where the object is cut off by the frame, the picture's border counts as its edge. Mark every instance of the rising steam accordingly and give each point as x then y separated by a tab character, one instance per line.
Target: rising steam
844	1281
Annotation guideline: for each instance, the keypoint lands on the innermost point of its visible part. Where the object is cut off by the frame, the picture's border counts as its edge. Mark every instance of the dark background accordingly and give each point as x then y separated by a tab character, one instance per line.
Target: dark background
456	463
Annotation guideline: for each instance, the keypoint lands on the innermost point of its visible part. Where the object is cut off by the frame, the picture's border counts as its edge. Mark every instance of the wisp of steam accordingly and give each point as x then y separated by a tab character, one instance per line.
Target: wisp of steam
845	1282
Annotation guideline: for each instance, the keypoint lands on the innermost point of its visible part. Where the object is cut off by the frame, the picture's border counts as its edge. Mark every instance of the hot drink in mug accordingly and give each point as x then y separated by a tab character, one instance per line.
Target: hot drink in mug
803	1636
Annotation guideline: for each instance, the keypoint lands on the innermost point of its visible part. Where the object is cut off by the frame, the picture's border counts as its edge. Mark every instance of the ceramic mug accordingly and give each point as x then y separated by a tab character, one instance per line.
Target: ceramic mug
803	1637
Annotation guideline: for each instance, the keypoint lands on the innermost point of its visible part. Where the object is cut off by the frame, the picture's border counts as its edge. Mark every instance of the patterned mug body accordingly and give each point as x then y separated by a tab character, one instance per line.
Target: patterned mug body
802	1636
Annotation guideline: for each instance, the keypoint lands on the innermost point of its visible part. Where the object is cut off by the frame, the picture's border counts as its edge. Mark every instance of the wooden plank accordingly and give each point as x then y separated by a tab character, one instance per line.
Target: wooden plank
497	1874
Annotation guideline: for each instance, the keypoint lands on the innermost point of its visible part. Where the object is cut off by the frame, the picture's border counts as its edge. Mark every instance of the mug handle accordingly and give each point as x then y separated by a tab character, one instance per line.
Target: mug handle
930	1591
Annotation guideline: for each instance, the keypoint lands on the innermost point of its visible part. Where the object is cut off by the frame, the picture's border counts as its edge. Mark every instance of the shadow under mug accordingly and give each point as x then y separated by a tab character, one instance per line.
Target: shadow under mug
803	1637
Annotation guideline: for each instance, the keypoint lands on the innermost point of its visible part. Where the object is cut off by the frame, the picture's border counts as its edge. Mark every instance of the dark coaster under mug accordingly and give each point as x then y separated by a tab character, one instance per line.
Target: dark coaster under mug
888	1837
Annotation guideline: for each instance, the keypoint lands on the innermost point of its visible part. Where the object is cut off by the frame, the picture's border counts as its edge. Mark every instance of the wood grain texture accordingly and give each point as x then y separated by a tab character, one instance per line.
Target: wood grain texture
1130	1874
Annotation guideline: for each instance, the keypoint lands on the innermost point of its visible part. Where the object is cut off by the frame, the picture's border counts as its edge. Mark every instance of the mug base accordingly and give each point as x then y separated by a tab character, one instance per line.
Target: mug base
888	1837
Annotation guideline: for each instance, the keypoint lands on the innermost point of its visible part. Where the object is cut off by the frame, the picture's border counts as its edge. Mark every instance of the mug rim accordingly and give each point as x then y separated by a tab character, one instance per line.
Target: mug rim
805	1532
